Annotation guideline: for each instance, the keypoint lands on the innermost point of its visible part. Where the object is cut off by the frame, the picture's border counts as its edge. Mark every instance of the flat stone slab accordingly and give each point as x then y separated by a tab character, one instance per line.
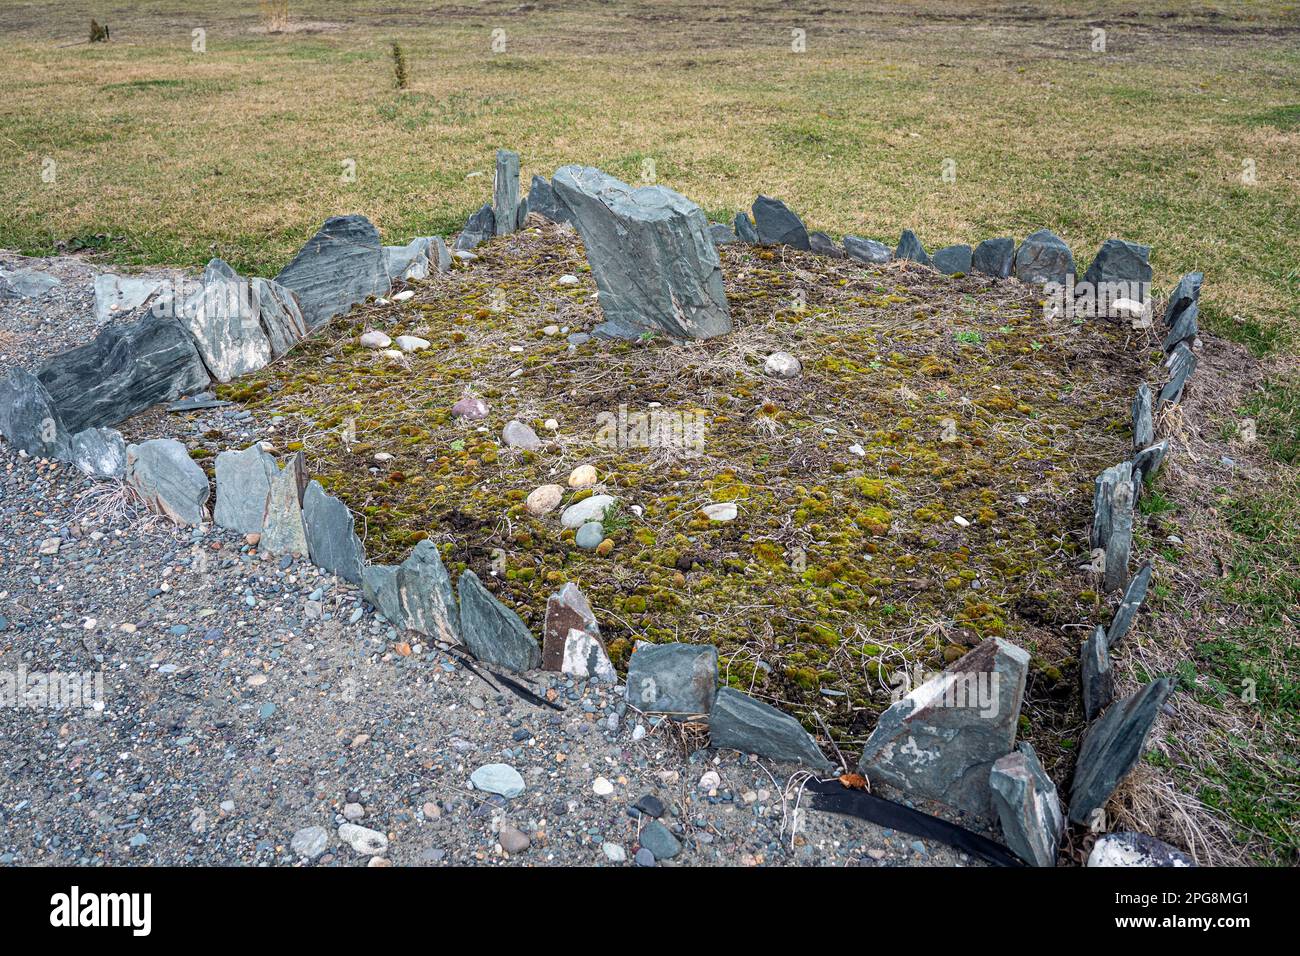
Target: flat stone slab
1126	613
739	722
585	657
492	632
778	226
1187	292
505	192
1123	269
168	480
941	740
1144	427
28	283
119	295
566	610
1096	675
379	585
332	541
479	228
124	370
1028	806
410	261
283	531
745	231
951	260
909	247
425	593
1186	327
243	486
543	201
867	250
676	679
222	316
651	254
340	266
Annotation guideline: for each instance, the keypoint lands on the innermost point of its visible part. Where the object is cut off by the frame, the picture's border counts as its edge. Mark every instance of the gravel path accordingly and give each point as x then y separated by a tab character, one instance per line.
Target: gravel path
247	700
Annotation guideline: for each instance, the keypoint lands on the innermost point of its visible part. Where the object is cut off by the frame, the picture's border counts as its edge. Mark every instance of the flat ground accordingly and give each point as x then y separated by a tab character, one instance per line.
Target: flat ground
1184	133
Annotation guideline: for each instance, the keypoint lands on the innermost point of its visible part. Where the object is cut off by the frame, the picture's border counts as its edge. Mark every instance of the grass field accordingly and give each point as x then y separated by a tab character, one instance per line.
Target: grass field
1183	133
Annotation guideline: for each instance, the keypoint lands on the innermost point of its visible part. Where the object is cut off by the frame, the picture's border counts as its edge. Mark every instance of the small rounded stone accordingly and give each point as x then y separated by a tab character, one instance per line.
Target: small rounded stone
584	476
590	536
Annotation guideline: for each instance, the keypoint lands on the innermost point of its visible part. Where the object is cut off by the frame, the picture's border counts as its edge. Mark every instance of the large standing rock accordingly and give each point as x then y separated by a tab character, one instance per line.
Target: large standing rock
778	226
995	257
222	317
1028	806
283	531
1112	746
279	315
543	201
243	485
167	480
505	192
941	740
99	452
479	227
1187	292
379	585
492	632
1125	849
566	610
739	722
1095	673
341	265
654	262
676	679
332	541
29	419
867	250
425	593
951	260
909	247
1122	269
1043	258
1134	596
1119	543
126	369
1103	501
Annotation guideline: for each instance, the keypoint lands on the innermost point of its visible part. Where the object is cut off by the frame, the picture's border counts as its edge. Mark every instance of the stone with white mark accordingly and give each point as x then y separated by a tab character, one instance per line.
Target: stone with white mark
676	679
782	365
364	840
1028	806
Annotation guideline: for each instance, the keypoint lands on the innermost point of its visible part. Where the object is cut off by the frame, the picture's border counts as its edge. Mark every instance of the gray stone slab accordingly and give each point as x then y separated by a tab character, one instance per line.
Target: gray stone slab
543	201
99	452
505	192
1042	258
995	257
676	679
340	266
492	632
283	531
1123	268
29	418
824	245
243	487
426	595
222	317
1144	425
777	225
1028	806
566	610
745	230
739	722
1128	849
1182	364
1096	675
867	250
332	541
1185	293
951	260
1147	462
1186	327
479	228
168	480
379	585
909	247
1134	596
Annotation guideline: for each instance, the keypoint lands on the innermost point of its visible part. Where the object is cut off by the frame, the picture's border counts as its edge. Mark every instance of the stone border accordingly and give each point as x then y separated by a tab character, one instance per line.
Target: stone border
286	514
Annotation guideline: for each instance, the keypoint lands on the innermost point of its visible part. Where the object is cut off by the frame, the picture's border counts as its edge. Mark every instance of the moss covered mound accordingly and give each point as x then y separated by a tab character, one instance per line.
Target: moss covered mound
961	513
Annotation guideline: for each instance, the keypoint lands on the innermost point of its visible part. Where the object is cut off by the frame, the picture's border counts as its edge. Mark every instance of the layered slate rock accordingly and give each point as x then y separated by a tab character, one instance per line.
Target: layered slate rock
722	234
283	531
951	260
280	317
676	679
1112	746
1144	424
1042	258
379	585
1181	364
1122	267
410	261
739	722
168	480
505	192
824	245
332	541
99	452
222	317
995	257
1095	673
492	632
745	230
119	295
1134	596
1125	849
439	254
654	262
543	201
243	486
909	247
479	228
29	418
1119	541
941	740
1028	806
426	597
566	610
867	250
126	369
1147	462
1185	328
1187	292
1103	501
778	226
340	266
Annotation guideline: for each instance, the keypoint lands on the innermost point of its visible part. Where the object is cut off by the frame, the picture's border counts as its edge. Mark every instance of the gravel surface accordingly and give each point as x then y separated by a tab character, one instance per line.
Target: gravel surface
248	701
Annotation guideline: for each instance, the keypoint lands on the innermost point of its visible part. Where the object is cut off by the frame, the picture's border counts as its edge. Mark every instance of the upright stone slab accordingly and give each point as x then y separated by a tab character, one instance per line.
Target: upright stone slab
1028	806
1042	258
1103	497
167	480
492	632
739	722
543	201
505	192
410	261
1187	292
426	596
1121	268
909	247
126	369
941	740
1147	462
1181	364
1134	596
1144	425
379	585
439	254
99	453
332	541
654	262
280	317
1186	327
283	531
1112	746
867	250
243	486
995	257
340	266
29	418
1097	678
222	316
585	657
745	230
566	610
823	245
1119	543
722	234
951	260
778	226
676	679
479	228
